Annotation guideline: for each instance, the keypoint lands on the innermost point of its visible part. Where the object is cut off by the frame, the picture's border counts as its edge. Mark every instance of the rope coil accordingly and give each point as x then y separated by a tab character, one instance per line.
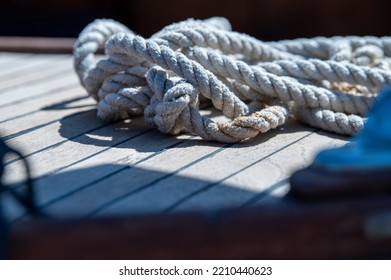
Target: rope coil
328	83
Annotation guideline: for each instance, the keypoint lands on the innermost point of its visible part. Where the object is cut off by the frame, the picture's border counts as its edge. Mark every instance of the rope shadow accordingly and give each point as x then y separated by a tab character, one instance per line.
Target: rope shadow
86	128
115	189
67	104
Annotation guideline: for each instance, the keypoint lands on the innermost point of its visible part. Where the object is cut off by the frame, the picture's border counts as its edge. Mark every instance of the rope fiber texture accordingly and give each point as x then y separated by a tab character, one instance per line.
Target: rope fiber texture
327	83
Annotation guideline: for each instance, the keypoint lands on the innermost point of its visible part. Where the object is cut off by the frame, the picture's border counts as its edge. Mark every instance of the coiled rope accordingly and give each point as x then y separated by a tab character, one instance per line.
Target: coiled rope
328	83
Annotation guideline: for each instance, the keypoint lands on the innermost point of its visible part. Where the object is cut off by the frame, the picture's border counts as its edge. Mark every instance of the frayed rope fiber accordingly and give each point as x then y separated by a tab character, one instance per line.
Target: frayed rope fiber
328	83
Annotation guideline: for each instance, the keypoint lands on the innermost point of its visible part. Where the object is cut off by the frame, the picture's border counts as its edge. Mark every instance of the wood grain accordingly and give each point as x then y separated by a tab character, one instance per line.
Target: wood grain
85	167
326	230
36	44
128	191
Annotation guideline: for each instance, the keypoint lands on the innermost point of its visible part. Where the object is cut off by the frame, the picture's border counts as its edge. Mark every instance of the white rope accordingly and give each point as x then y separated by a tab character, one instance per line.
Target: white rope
328	83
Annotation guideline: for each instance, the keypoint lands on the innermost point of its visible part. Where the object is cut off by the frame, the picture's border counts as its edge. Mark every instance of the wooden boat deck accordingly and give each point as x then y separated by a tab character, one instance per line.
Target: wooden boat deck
126	191
84	167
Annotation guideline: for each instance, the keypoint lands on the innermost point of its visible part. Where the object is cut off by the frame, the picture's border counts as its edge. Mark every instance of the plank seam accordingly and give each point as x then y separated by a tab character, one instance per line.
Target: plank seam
211	185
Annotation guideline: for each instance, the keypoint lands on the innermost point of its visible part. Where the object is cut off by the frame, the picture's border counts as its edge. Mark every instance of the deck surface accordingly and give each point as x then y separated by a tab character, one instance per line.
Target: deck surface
84	167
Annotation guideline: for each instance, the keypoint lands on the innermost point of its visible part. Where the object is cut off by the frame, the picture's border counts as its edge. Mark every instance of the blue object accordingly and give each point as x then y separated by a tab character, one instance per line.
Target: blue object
371	148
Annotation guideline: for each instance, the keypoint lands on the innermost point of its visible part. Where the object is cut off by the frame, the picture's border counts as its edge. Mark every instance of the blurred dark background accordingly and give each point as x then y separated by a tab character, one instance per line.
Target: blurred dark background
264	19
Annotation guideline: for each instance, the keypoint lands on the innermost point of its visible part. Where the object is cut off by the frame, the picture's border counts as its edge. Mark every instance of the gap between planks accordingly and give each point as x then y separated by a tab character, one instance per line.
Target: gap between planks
158	173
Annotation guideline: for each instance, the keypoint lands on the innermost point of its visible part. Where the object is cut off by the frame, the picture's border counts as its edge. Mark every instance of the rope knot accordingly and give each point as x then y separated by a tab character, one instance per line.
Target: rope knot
171	97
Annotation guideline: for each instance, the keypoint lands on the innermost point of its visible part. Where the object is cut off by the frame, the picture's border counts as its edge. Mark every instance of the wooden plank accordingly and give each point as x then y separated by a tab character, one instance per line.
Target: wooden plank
323	230
28	122
22	92
54	103
138	146
274	195
36	44
11	55
47	70
56	152
48	136
18	63
130	180
7	59
260	178
103	162
78	183
199	175
86	167
64	152
26	64
322	140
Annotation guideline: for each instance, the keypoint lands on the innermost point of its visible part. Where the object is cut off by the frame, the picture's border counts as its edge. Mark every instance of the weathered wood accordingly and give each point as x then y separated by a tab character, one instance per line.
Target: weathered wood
326	230
211	170
129	180
69	141
78	173
334	185
46	69
28	91
36	44
263	173
16	64
84	167
64	102
10	60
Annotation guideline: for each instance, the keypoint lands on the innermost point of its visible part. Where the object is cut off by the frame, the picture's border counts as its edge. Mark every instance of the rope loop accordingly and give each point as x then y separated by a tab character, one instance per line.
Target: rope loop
328	83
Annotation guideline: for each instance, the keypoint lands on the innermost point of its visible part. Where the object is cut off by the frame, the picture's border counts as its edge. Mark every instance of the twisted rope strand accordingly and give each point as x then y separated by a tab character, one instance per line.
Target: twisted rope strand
332	71
228	42
280	87
208	84
329	83
89	41
173	109
319	47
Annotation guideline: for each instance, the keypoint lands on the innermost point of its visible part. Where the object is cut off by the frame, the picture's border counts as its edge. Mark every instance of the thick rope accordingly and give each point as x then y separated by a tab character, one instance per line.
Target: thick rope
328	83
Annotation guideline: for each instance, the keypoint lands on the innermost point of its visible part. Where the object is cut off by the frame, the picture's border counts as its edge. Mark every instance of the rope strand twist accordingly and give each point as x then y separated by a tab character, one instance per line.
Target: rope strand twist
328	83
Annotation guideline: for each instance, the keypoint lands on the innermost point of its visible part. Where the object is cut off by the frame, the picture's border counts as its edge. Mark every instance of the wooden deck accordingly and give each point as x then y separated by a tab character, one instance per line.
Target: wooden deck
83	167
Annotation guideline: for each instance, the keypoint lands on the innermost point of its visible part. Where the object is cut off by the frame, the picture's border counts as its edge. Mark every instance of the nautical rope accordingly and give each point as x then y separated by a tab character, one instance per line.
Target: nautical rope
328	83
